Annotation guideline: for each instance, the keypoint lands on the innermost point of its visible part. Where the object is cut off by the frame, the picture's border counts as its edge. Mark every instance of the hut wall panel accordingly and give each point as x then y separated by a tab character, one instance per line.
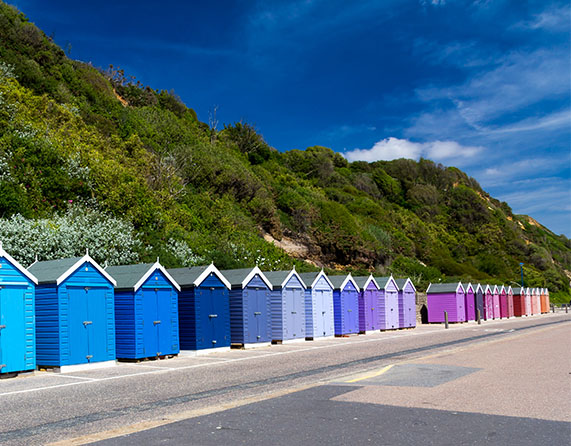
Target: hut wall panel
48	329
255	287
187	327
470	305
277	314
293	310
510	297
238	320
338	309
519	304
127	332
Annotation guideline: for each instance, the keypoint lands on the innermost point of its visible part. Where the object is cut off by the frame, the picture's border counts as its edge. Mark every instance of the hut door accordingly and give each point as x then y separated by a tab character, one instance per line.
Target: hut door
151	322
352	302
164	317
373	310
12	329
393	317
79	323
410	310
257	314
321	313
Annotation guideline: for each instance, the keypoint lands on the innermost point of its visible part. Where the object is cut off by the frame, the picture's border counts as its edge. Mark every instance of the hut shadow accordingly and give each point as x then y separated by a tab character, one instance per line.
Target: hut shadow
424	314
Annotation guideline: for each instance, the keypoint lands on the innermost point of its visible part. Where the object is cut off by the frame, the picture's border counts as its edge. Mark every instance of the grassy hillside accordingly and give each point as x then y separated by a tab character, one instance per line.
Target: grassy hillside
96	159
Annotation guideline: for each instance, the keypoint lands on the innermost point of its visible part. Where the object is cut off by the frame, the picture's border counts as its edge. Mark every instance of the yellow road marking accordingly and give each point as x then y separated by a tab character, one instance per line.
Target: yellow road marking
372	375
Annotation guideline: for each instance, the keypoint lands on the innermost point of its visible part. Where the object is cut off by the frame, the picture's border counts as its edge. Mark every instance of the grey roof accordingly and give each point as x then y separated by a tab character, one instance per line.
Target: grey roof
276	278
48	271
361	280
465	286
382	281
186	276
519	290
442	288
127	276
337	281
308	278
401	283
236	276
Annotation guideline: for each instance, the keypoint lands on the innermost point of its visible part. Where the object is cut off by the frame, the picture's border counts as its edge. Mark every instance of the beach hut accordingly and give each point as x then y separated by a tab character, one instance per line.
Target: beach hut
75	313
488	302
469	301
287	305
496	302
389	303
17	328
543	301
445	297
319	320
369	303
536	299
406	302
203	308
519	301
146	311
510	297
528	302
250	306
345	305
547	298
479	296
503	295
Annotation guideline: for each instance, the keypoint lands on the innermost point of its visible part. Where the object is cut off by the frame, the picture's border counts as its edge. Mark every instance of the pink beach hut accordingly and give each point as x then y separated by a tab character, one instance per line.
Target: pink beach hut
488	303
503	302
510	296
496	302
527	301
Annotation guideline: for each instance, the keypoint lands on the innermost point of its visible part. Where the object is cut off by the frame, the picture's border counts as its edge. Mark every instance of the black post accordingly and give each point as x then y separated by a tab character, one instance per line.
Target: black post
446	319
479	318
566	308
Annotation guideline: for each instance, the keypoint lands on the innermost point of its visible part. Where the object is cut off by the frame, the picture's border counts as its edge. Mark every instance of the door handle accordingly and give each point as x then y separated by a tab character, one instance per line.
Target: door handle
86	323
2	326
88	357
294	312
212	315
156	322
257	313
349	311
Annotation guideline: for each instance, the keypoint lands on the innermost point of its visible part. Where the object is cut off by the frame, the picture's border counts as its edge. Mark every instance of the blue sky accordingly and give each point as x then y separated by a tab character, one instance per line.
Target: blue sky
483	85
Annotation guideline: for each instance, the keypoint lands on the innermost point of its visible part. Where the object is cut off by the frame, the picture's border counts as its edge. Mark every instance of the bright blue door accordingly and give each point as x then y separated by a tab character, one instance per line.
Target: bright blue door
12	329
166	342
79	322
151	321
87	324
213	317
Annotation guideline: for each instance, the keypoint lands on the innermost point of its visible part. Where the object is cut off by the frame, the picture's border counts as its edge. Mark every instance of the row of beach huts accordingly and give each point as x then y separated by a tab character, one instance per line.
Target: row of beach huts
70	312
469	302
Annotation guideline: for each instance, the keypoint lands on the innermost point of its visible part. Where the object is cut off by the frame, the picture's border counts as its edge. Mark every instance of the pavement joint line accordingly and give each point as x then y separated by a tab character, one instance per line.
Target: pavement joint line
180	416
226	361
372	375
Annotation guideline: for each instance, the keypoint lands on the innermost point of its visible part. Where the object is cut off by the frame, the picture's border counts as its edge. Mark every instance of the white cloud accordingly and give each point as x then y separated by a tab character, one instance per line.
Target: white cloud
556	19
394	148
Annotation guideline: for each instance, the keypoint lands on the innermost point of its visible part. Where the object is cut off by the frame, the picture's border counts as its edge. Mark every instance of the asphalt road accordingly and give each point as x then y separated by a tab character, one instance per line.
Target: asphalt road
278	394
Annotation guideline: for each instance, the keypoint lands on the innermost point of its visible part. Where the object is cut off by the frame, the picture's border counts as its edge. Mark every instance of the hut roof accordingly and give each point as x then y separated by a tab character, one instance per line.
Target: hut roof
56	271
134	276
241	277
443	288
195	275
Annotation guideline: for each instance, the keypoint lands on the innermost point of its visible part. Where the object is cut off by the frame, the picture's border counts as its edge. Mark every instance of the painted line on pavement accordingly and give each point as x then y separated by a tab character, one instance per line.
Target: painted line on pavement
372	375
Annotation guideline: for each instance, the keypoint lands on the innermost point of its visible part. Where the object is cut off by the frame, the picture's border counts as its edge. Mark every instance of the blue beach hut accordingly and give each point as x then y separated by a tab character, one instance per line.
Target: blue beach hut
75	312
203	308
287	304
319	321
345	304
17	328
146	311
389	303
250	309
406	303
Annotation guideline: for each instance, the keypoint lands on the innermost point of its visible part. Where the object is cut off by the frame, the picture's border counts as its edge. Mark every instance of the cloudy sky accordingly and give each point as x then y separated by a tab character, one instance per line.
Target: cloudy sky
483	85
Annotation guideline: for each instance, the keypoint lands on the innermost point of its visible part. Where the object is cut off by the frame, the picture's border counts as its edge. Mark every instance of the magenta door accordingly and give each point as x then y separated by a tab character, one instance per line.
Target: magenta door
470	305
